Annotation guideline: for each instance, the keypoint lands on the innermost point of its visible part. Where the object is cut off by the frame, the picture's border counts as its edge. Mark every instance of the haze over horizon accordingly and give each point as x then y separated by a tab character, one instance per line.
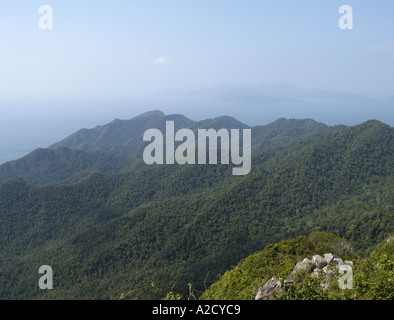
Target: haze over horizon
256	61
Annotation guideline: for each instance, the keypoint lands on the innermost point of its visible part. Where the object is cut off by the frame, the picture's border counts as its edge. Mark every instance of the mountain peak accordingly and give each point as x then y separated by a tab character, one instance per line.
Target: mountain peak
150	114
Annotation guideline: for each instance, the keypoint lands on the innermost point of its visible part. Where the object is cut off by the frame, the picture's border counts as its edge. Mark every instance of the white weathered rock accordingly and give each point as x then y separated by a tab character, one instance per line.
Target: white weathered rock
327	269
319	261
328	257
303	266
337	261
289	279
349	263
270	290
329	272
316	273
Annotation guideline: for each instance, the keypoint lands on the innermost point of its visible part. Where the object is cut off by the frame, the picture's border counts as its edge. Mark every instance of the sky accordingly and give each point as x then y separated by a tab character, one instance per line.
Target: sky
106	59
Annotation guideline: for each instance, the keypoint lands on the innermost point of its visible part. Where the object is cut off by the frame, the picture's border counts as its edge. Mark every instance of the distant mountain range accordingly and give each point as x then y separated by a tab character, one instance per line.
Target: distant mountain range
124	137
264	93
115	146
251	102
111	226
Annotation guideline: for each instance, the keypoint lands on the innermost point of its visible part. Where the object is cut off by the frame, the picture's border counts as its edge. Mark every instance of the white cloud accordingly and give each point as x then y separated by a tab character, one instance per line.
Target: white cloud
162	60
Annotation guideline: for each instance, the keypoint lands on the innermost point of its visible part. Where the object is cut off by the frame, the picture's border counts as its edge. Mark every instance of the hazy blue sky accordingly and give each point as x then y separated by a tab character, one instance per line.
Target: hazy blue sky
109	48
118	50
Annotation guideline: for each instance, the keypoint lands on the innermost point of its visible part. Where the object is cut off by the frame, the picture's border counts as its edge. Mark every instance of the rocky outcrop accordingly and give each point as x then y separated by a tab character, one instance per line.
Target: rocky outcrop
319	261
270	290
328	257
326	268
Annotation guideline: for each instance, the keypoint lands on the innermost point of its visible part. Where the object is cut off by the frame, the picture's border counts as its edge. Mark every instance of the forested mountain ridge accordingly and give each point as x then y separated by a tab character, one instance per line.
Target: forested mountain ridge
48	166
110	234
125	137
115	146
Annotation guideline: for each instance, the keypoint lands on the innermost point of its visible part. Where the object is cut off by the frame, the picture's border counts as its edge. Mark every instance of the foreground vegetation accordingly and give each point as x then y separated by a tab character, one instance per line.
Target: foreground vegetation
373	277
147	230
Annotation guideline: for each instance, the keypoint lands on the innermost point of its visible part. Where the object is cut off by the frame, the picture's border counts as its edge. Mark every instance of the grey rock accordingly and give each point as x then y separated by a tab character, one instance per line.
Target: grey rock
289	279
303	266
329	272
327	269
270	290
337	261
316	273
319	261
328	257
349	263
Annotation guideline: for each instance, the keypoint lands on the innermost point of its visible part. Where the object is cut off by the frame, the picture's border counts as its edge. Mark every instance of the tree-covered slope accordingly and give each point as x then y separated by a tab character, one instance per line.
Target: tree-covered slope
47	166
372	277
125	137
282	133
115	146
114	234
